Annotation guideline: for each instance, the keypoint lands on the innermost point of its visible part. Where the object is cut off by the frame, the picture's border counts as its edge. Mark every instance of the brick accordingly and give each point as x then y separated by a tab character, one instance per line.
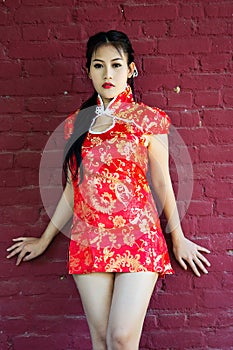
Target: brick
21	196
218	190
68	104
190	10
221	338
5	123
12	142
201	208
42	14
11	105
29	50
223	241
181	28
36	142
214	224
168	321
184	45
38	67
218	117
216	299
156	81
154	28
154	12
47	2
202	319
215	10
9	69
183	99
66	66
222	171
215	62
221	135
36	86
38	32
8	33
3	16
222	44
182	63
207	98
94	12
17	177
6	160
212	26
27	159
71	32
40	104
202	171
189	118
165	339
156	64
213	153
225	207
72	50
145	47
204	81
227	97
155	99
20	214
197	136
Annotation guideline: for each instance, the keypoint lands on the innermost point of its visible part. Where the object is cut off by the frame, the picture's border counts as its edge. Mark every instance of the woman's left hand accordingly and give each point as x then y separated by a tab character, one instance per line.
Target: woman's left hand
190	252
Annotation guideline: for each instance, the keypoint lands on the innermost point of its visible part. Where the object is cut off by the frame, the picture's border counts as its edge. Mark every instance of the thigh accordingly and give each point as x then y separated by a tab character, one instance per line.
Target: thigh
95	290
131	296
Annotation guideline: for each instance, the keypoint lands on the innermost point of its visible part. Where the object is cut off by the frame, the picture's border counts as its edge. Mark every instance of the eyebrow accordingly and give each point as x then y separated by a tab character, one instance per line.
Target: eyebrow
114	59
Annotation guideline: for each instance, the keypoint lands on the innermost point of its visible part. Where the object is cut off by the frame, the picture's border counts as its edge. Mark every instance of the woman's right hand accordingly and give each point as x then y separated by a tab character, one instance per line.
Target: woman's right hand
27	248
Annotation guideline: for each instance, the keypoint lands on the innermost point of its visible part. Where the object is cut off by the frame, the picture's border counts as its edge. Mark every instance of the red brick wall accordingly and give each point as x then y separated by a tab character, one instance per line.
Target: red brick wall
186	44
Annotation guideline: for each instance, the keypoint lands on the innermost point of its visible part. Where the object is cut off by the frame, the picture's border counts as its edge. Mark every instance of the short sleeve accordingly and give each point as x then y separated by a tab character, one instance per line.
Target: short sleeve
155	121
69	125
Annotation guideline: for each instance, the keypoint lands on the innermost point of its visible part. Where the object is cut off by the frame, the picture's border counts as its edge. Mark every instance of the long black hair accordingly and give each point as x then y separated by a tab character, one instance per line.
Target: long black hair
72	152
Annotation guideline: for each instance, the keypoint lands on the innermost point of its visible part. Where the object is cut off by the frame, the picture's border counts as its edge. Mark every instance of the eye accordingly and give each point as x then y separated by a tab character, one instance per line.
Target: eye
116	65
97	65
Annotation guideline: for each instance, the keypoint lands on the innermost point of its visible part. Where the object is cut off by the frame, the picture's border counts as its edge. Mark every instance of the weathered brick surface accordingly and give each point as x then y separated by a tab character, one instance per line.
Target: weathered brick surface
178	44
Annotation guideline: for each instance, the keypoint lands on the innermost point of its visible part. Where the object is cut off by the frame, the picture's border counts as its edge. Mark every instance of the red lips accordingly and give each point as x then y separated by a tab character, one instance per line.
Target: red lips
107	85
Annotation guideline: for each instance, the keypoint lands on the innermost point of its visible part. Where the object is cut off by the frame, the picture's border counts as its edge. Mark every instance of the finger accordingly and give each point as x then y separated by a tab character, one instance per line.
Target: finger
15	251
182	263
203	258
202	249
194	268
29	256
200	265
20	239
21	255
14	246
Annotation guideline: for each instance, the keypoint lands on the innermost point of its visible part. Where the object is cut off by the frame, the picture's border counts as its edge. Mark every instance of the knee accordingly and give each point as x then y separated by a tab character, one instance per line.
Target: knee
118	339
99	339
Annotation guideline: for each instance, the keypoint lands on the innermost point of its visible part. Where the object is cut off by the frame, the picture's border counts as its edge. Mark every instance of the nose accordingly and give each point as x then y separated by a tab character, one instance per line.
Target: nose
107	73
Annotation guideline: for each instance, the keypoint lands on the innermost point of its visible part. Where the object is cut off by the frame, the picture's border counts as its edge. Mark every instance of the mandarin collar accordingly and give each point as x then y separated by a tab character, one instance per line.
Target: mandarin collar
125	96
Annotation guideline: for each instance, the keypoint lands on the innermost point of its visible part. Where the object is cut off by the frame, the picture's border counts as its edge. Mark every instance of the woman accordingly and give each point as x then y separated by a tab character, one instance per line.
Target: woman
117	249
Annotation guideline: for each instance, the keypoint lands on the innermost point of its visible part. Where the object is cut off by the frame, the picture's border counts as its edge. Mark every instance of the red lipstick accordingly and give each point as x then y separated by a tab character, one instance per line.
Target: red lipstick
107	85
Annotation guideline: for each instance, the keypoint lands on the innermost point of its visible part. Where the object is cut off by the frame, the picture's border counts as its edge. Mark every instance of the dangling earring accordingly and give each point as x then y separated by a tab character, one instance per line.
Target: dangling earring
135	72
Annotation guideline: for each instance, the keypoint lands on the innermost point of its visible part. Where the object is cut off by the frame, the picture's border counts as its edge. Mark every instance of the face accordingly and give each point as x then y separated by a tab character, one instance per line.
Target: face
109	72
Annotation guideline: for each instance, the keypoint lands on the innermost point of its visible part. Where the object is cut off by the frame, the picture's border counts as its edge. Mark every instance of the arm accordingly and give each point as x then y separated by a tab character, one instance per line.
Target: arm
184	249
28	248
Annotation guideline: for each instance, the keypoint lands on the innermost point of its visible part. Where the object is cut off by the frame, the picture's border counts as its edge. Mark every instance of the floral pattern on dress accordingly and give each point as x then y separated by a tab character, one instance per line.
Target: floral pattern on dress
116	227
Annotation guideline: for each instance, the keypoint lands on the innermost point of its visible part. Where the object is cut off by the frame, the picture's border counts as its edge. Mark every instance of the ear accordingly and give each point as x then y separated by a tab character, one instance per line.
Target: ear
131	69
88	73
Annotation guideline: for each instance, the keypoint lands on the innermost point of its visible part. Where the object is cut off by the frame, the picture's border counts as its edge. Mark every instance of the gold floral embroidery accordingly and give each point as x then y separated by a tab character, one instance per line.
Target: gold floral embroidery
116	226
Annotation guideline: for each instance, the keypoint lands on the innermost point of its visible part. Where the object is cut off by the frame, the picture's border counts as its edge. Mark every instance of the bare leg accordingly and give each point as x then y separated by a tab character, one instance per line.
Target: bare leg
96	290
131	296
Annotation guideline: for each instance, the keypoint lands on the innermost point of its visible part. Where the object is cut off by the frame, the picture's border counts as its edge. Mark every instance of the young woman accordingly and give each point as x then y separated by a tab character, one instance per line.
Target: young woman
117	249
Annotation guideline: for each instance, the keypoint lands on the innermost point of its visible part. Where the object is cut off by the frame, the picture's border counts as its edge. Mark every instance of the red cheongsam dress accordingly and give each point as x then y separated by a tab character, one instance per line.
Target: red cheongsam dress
116	227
